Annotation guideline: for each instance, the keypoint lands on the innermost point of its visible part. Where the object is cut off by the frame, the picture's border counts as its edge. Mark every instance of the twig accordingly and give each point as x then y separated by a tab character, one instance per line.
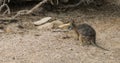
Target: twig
5	5
23	12
37	6
57	2
6	11
74	5
8	19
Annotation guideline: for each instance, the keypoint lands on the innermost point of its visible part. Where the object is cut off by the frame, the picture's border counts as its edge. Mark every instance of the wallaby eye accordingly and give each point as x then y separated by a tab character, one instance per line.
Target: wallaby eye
70	27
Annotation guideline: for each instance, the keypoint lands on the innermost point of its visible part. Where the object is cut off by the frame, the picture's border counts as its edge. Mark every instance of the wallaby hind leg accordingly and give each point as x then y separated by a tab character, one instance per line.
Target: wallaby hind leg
84	41
77	37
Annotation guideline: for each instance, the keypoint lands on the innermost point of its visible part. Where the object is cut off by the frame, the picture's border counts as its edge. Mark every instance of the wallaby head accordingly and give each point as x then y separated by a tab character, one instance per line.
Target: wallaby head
72	24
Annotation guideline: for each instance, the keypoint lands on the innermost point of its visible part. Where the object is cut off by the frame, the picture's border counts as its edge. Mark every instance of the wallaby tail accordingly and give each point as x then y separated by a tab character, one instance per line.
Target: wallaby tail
94	43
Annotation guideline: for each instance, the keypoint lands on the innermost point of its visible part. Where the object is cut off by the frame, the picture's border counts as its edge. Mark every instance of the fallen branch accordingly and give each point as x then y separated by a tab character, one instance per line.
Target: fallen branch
7	11
74	5
21	12
8	20
54	3
25	12
37	6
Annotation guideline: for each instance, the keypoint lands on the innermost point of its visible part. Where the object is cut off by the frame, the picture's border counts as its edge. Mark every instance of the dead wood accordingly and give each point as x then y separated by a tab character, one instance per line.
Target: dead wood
73	5
23	12
7	11
37	6
8	19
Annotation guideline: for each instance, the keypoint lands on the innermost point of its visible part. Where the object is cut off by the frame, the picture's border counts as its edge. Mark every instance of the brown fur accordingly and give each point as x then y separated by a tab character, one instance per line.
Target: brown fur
86	34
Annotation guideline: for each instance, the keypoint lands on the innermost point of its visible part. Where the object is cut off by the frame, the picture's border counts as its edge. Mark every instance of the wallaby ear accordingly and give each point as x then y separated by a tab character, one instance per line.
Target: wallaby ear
72	20
71	24
70	27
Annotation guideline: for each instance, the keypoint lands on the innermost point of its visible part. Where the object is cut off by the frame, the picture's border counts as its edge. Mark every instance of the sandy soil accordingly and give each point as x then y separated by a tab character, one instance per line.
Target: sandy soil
45	46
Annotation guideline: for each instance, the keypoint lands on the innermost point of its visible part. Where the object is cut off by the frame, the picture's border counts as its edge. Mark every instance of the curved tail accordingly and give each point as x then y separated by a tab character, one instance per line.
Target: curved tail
94	43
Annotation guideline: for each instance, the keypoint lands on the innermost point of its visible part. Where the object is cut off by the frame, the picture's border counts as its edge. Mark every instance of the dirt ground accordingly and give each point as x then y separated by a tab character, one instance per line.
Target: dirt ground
30	45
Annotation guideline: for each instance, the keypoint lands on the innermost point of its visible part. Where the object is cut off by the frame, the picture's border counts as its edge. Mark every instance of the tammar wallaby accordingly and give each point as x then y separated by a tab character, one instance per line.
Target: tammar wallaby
86	34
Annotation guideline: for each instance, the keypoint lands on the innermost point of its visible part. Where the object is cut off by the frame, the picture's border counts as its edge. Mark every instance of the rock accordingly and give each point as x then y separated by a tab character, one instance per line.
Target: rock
43	20
46	26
